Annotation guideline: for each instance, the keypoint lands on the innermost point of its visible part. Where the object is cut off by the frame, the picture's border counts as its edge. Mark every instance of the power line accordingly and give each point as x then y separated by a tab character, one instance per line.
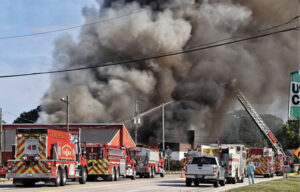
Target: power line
296	18
155	56
70	28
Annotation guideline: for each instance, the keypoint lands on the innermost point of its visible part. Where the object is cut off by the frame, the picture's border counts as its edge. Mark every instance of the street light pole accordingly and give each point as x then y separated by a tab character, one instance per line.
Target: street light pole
135	121
66	101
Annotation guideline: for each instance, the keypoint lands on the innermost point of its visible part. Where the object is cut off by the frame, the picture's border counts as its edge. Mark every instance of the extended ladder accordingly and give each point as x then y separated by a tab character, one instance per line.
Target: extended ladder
258	121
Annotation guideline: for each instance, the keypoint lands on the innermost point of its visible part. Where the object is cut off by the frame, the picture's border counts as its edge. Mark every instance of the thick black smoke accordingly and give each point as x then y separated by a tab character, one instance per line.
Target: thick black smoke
196	81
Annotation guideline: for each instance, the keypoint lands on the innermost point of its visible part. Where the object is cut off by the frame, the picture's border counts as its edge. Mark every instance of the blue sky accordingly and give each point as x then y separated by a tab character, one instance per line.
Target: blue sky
31	54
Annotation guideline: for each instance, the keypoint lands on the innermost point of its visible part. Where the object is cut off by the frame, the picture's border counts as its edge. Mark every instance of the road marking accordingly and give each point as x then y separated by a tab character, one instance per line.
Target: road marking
105	184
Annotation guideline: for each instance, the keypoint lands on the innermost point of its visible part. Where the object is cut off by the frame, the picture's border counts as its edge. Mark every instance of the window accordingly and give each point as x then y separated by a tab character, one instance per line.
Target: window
204	160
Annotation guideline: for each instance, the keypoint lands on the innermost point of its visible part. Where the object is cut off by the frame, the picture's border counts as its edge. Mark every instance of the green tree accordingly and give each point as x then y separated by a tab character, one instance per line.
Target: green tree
240	128
29	116
289	134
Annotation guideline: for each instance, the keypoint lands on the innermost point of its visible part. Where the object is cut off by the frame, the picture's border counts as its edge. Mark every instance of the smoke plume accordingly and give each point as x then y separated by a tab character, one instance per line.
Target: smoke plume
198	81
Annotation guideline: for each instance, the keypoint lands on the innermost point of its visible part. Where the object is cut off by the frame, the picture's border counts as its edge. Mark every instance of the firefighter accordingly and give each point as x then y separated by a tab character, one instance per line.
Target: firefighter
250	172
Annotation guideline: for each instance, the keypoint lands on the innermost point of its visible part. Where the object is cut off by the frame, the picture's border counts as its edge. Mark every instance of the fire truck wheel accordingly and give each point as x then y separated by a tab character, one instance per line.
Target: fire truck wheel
133	177
112	176
234	180
63	181
188	182
117	174
57	180
153	172
83	175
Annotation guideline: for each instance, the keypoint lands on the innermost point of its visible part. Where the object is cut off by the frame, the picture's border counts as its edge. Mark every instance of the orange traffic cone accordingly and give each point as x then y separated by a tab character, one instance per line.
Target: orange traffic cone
182	174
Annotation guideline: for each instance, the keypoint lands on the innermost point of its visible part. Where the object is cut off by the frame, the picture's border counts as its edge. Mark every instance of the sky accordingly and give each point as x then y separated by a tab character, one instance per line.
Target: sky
34	54
31	54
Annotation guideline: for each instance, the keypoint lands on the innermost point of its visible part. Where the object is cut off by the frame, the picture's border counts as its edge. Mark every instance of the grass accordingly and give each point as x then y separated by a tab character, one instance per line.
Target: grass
290	184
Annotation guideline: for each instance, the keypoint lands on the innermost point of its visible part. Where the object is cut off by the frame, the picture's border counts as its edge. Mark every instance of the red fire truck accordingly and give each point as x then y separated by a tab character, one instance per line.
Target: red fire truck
108	162
149	161
46	155
3	170
263	160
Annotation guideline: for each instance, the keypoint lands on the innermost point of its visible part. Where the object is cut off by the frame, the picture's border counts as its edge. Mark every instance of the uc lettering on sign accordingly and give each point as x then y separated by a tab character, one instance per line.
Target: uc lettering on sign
294	103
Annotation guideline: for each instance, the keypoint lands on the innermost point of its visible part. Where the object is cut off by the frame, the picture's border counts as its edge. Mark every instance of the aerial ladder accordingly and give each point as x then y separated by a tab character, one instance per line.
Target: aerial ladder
277	147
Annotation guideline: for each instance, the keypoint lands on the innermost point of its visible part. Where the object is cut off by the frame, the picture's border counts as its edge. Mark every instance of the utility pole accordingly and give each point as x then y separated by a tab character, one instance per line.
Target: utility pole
0	134
67	102
163	125
67	113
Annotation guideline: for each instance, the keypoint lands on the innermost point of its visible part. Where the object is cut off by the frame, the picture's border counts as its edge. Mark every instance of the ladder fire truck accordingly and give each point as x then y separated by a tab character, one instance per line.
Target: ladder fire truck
279	152
46	155
149	161
108	162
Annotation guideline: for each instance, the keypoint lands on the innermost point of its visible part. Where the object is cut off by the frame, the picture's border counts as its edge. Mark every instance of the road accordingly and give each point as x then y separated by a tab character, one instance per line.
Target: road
170	183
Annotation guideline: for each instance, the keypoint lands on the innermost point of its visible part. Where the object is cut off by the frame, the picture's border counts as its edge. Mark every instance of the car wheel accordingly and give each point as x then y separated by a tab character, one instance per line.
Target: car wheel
222	182
196	183
188	182
216	183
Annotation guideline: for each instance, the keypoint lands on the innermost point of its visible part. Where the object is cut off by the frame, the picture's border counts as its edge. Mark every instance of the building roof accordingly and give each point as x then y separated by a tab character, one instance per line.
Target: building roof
103	136
62	124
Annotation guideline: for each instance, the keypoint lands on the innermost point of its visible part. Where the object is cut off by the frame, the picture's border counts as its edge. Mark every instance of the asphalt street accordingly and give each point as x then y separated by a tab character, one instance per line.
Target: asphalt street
170	183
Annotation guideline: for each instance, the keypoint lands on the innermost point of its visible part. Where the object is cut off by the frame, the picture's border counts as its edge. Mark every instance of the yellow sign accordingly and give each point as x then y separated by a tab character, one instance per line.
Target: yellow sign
297	153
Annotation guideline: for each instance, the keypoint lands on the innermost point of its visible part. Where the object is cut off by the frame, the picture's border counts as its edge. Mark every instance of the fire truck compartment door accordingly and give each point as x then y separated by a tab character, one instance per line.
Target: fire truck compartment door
72	169
122	166
31	146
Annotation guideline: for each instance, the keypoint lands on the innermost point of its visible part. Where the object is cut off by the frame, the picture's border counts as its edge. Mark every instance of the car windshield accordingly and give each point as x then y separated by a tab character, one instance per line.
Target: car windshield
140	156
204	160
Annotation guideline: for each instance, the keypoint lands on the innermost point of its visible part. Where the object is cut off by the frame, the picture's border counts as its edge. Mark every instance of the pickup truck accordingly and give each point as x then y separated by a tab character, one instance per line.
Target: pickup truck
205	169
